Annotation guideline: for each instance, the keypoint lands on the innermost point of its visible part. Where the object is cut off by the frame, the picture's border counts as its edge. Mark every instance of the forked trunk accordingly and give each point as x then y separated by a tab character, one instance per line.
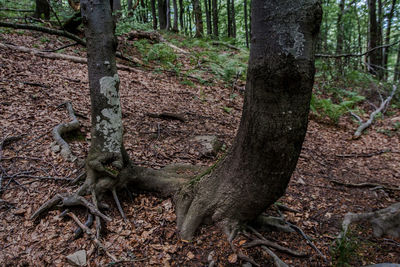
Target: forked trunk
255	173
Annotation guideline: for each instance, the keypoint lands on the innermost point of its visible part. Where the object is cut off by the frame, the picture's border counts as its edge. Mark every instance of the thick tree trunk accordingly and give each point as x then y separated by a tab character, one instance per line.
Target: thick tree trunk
215	17
106	155
198	16
162	14
246	29
42	7
154	14
176	12
256	171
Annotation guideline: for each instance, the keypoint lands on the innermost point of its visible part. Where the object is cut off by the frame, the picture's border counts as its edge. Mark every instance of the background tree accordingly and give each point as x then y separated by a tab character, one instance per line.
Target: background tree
198	15
42	8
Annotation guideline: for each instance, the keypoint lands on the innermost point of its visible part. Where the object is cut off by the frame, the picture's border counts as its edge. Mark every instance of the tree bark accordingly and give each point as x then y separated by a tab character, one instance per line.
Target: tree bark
42	7
375	58
208	18
106	154
233	17
396	76
246	29
176	12
215	17
154	14
229	17
340	36
387	36
255	173
181	11
162	14
198	16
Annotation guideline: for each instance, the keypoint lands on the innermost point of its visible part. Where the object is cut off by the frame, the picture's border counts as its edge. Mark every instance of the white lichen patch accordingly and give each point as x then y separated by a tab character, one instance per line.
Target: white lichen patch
110	123
291	39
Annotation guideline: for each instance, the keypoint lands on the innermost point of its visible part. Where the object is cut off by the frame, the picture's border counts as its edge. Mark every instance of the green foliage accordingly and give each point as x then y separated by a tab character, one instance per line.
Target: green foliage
326	108
344	251
161	53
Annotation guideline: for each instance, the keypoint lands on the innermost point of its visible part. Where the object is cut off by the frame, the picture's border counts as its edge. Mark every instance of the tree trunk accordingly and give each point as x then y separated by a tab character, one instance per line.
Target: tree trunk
215	17
42	7
233	17
176	12
208	18
246	30
181	11
143	11
168	15
154	14
396	76
387	36
116	8
375	57
256	171
190	22
229	17
106	152
198	16
162	14
340	36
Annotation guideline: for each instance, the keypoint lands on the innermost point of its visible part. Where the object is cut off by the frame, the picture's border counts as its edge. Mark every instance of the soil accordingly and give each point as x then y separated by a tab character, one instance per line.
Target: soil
32	89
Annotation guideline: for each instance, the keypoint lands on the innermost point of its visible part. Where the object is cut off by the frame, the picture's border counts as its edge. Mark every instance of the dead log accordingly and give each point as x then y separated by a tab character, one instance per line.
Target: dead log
227	45
381	109
50	55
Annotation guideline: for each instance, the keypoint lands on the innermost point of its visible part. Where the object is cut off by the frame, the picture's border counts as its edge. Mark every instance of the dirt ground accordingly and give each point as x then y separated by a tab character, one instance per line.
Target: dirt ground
31	91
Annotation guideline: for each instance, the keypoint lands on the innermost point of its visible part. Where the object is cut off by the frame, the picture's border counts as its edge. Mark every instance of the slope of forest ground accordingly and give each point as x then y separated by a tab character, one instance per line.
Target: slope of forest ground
32	89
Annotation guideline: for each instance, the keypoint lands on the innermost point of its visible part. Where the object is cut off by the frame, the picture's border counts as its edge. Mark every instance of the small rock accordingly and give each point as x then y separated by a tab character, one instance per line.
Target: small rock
247	264
210	256
54	147
190	255
78	258
210	145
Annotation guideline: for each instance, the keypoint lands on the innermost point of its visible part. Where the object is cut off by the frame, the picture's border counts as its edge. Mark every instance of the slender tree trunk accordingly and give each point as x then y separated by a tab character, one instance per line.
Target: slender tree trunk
246	30
360	50
255	173
176	13
387	36
143	11
168	14
154	14
374	59
190	22
340	36
229	17
116	9
198	16
233	16
396	76
208	18
162	14
215	17
42	7
130	7
181	11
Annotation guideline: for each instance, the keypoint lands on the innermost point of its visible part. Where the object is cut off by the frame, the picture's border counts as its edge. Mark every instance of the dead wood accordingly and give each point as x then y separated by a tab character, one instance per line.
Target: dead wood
64	128
227	45
92	236
381	109
167	116
60	48
17	10
50	55
383	221
154	37
45	30
8	141
364	155
360	185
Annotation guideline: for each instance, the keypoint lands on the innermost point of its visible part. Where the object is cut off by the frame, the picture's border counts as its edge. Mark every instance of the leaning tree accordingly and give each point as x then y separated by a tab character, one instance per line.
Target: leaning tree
256	170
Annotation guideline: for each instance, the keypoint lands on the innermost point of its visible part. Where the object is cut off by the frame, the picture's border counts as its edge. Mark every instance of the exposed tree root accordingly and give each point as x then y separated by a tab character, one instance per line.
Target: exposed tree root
384	221
360	185
261	242
64	128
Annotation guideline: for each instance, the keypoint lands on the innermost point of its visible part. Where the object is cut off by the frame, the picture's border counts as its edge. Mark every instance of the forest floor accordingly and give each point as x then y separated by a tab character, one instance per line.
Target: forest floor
31	91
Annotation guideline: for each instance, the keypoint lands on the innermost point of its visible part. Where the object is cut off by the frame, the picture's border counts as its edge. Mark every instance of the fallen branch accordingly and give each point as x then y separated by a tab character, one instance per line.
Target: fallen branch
363	155
260	242
366	185
16	10
227	45
155	37
45	30
50	55
64	128
167	116
365	125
